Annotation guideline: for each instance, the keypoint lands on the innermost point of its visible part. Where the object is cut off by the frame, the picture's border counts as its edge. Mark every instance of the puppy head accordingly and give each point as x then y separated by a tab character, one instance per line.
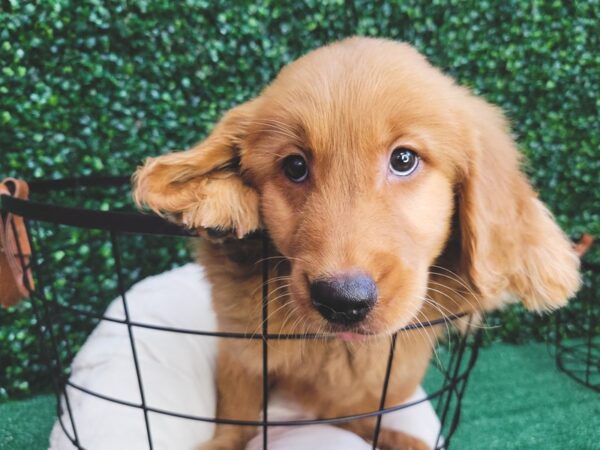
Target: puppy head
353	159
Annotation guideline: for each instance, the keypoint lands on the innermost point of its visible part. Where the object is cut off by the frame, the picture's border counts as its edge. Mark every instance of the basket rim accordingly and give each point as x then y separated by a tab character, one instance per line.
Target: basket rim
116	221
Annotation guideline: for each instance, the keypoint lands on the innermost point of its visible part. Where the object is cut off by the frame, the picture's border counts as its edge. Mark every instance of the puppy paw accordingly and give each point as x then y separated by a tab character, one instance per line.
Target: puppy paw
225	205
397	440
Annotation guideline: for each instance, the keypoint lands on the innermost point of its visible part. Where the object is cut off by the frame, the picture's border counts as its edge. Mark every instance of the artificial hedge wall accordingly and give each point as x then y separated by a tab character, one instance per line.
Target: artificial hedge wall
95	86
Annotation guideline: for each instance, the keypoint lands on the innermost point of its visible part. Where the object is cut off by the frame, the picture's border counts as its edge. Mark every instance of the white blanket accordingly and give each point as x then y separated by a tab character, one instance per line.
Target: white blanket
178	375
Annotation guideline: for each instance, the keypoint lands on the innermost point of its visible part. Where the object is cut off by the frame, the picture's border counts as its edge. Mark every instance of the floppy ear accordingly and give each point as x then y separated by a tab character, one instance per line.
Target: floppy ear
510	241
202	187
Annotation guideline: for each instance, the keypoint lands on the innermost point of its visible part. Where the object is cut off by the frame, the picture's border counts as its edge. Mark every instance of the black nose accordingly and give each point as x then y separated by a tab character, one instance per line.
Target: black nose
344	299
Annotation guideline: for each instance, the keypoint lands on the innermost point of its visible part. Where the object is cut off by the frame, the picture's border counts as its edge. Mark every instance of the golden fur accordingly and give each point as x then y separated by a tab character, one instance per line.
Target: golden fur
463	233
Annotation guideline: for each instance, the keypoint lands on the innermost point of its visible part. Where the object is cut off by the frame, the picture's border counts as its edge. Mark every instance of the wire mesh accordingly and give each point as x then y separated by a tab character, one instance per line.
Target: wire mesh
65	238
579	357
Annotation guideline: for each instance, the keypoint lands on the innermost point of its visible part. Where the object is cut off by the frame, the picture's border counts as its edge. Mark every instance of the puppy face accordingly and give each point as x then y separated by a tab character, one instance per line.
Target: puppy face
354	159
355	165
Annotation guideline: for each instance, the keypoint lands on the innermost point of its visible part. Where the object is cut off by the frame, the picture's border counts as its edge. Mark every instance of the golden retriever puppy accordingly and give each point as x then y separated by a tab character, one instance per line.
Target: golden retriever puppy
391	196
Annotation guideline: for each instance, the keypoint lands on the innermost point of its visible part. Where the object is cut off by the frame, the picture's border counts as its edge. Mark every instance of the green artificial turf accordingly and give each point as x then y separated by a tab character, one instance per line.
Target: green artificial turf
516	399
26	425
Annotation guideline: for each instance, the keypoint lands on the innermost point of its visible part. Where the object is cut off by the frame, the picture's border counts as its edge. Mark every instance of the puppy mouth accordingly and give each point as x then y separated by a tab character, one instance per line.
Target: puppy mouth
349	336
357	333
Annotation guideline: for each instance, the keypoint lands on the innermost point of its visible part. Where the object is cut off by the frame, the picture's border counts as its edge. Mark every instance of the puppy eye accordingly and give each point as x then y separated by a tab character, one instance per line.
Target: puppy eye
295	168
403	161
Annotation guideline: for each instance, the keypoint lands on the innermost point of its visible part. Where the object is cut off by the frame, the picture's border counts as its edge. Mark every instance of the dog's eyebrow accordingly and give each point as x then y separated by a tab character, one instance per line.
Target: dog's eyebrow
295	133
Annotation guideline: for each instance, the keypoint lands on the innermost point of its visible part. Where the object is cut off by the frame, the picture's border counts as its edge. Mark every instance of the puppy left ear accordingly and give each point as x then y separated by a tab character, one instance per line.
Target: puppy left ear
202	188
510	241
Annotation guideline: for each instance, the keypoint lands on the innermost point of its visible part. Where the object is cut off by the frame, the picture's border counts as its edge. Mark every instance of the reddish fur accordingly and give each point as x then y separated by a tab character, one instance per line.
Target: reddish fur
345	107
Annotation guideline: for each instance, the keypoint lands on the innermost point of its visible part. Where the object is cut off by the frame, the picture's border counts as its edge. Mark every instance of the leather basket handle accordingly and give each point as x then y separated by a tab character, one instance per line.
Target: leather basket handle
583	245
16	279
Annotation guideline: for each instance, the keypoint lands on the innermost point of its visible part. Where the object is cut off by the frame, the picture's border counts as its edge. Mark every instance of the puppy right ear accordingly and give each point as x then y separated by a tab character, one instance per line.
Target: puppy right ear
202	188
510	240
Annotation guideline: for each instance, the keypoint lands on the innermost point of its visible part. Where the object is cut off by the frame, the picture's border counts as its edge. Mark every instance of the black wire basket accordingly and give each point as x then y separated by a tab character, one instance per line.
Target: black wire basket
87	243
579	357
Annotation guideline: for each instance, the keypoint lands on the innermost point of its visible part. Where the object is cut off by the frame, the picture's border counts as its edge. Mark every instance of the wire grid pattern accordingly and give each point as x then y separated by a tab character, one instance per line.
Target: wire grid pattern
49	312
580	358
